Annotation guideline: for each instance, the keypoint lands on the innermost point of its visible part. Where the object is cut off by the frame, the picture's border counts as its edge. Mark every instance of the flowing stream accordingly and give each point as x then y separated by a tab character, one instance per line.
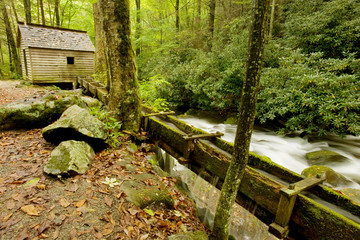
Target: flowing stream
290	152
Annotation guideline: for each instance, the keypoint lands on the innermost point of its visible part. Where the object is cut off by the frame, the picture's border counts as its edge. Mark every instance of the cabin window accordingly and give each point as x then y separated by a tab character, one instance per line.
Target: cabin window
70	60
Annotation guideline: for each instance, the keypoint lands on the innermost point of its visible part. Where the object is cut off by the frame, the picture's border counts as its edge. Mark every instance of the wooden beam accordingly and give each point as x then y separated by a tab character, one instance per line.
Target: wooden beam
203	136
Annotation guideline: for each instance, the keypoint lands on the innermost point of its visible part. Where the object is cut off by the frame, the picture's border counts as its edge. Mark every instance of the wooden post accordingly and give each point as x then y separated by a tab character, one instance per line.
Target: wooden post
287	202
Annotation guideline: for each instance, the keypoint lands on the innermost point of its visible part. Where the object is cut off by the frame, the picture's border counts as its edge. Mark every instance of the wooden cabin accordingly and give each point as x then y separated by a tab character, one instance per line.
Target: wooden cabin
54	55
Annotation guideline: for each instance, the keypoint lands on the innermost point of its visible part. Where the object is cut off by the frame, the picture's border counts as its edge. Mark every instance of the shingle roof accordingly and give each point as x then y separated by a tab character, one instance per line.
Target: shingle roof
55	38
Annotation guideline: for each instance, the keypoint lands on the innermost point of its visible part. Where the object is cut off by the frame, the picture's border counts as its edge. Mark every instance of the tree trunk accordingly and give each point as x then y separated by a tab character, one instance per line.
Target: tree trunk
124	98
15	64
27	8
198	17
42	13
14	10
50	14
138	28
211	23
245	122
272	19
57	15
100	64
177	23
1	54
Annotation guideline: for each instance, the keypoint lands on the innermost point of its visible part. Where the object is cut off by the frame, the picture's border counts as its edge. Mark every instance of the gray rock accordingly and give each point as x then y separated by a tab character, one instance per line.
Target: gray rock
333	178
323	157
70	157
33	112
197	235
77	123
91	102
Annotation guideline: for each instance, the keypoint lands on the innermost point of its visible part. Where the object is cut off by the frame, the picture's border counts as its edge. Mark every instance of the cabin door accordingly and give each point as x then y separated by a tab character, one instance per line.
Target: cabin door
25	64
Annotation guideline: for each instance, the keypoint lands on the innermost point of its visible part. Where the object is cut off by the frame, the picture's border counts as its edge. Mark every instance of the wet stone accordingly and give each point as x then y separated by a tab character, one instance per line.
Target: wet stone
327	158
333	178
70	157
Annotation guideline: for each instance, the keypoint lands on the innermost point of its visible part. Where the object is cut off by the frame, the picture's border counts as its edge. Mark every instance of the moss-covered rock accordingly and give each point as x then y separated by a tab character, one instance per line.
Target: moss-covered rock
70	157
146	189
352	193
77	123
333	178
34	113
325	158
197	235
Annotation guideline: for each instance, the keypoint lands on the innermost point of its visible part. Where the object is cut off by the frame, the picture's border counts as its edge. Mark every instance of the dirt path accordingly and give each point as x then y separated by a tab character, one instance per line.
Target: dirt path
36	206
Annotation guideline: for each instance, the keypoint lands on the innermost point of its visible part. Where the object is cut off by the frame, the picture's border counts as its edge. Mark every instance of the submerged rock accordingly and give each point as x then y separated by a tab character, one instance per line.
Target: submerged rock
35	113
70	157
197	235
352	193
77	123
325	158
333	178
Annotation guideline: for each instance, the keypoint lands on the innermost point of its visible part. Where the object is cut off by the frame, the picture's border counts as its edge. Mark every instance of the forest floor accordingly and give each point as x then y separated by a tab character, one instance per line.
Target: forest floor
37	206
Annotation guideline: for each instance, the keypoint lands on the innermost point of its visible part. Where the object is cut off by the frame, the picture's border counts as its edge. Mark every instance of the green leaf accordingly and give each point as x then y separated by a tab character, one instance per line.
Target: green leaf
32	182
149	211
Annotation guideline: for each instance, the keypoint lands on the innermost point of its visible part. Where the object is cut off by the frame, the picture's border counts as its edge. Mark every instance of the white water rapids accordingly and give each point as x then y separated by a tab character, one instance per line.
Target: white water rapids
290	152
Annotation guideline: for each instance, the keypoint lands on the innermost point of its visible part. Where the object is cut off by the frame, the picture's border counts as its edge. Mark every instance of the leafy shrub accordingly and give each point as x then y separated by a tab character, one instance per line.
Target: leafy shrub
312	93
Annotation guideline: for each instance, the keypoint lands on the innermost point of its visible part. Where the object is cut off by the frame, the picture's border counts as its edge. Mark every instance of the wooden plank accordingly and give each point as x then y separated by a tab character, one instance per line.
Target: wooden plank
203	136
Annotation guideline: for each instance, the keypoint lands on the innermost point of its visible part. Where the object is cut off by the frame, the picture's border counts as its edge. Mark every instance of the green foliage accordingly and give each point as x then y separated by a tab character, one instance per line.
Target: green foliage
331	27
111	124
311	93
151	89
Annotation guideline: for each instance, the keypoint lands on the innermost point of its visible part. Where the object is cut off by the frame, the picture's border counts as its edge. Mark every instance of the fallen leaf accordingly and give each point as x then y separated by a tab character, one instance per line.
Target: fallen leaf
24	234
64	203
10	204
98	235
56	233
7	217
133	211
43	227
108	201
73	188
41	186
145	236
108	229
31	210
73	234
80	203
32	182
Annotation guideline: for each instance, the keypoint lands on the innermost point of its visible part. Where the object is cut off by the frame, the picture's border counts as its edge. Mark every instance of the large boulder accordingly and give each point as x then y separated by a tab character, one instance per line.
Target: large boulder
34	112
324	157
70	157
77	123
333	178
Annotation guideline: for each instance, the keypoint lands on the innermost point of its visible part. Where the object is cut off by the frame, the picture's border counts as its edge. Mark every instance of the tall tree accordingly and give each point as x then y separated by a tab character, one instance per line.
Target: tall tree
124	98
138	28
15	64
42	13
57	15
100	64
14	10
272	17
245	124
27	8
177	11
211	22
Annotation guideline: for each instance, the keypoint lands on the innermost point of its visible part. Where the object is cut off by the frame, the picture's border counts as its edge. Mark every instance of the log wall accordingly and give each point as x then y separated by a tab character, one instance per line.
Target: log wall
51	66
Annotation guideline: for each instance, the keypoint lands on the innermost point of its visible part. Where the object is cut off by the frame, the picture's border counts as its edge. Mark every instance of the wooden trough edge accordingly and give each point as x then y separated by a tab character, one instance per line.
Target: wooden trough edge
309	219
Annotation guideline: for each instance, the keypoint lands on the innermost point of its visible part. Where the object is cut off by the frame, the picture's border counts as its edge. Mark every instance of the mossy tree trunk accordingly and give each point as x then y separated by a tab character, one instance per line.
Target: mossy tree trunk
100	64
57	15
245	122
212	6
124	98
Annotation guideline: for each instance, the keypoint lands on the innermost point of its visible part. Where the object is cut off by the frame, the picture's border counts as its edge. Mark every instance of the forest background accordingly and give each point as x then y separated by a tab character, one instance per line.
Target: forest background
191	54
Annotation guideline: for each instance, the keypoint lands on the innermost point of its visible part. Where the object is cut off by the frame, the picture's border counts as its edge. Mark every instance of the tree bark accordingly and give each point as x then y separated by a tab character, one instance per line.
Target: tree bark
57	15
14	10
198	17
27	7
42	13
100	64
177	8
138	28
124	98
211	23
272	17
15	64
247	111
